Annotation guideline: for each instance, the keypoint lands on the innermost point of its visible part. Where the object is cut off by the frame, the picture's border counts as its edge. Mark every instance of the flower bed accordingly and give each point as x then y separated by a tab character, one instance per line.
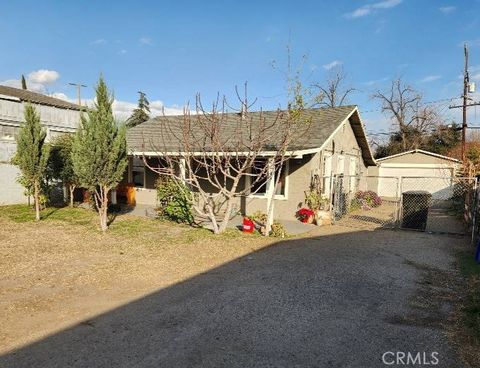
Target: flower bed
365	200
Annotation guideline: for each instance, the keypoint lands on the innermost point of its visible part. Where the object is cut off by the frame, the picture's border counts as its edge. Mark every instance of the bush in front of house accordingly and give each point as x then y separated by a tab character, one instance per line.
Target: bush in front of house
174	200
277	229
365	200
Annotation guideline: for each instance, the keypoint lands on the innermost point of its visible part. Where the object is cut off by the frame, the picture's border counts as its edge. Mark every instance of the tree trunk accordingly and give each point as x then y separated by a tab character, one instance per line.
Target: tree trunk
213	220
101	201
36	195
72	189
226	217
104	212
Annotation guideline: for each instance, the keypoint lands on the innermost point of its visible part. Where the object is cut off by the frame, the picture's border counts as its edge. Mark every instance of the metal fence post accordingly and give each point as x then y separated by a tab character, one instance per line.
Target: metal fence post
475	210
400	201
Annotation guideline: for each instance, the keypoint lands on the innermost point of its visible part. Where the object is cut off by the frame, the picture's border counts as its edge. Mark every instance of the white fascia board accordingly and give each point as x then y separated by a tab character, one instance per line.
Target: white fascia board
10	98
420	151
417	166
329	139
294	154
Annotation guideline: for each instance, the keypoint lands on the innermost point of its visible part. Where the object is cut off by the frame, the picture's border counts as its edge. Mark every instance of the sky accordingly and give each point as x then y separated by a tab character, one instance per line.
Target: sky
173	50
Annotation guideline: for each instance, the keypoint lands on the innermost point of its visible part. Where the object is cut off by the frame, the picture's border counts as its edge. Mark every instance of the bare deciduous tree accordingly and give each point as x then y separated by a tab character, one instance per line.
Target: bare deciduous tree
222	157
333	93
413	119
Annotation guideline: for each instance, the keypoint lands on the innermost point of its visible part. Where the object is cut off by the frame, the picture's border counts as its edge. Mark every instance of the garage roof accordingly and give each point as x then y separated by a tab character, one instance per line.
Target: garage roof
419	151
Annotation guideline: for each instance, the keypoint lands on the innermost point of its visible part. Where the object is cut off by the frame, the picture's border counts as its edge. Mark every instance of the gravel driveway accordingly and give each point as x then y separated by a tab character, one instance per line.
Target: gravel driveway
340	298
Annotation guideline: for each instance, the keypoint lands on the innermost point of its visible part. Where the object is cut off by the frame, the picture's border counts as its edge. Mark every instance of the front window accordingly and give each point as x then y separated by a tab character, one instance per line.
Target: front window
259	187
138	172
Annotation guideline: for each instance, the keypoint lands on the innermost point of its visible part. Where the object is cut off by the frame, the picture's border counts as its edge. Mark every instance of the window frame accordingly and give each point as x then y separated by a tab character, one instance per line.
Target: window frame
284	196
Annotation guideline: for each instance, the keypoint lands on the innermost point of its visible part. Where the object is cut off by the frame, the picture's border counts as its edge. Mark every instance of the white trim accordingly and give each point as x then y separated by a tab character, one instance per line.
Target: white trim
417	166
10	98
343	123
428	153
294	154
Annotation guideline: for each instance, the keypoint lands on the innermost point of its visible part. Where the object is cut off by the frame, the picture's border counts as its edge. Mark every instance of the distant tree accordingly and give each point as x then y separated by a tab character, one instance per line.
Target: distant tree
99	151
141	113
32	155
61	163
412	119
24	82
443	139
333	92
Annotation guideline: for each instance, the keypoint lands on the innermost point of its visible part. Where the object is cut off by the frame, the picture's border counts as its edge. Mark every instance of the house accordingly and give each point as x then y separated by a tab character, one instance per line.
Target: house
335	145
57	116
413	170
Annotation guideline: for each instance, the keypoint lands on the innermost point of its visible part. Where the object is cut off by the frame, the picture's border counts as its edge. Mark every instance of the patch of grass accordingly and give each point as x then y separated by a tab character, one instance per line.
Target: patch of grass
24	213
471	308
465	331
124	225
133	226
467	264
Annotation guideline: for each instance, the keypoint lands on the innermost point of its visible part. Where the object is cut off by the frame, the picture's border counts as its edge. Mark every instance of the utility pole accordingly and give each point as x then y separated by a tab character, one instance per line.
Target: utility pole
79	86
467	87
466	82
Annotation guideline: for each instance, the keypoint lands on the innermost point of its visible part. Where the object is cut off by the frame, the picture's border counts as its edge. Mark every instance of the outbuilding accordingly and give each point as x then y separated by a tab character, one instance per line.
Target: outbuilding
416	165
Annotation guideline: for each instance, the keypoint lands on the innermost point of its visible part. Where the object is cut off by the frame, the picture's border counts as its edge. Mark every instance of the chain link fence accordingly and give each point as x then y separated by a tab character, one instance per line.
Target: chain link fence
432	204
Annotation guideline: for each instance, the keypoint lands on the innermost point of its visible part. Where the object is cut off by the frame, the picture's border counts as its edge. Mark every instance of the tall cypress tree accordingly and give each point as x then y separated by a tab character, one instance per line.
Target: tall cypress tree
32	154
99	151
141	113
24	82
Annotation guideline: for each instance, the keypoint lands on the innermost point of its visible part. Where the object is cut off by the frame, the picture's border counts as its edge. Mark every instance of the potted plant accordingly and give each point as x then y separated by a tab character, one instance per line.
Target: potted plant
319	205
305	215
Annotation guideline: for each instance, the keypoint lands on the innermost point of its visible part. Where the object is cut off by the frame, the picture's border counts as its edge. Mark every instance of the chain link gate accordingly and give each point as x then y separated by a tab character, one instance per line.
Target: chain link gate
432	204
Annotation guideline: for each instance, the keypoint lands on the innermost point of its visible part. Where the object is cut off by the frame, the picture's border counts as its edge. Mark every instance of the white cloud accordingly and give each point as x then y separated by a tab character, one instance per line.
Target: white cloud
375	81
37	81
332	65
475	77
430	78
100	41
43	76
447	9
123	109
122	52
145	41
369	8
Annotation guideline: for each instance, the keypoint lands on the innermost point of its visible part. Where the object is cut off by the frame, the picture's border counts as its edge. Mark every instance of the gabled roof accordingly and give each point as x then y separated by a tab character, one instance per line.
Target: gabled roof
324	122
419	151
36	98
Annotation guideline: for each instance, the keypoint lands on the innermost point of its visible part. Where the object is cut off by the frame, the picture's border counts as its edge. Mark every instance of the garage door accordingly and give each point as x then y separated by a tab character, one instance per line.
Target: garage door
439	181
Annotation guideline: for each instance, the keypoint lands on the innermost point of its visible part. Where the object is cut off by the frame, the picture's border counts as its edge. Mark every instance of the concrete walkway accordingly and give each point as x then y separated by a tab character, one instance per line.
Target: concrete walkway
293	227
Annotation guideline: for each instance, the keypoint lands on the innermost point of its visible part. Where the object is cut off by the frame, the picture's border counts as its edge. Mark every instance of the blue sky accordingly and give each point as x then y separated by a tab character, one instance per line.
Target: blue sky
172	49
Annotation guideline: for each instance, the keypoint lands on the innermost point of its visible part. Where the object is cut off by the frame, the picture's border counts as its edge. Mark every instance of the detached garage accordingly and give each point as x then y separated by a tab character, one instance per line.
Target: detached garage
414	166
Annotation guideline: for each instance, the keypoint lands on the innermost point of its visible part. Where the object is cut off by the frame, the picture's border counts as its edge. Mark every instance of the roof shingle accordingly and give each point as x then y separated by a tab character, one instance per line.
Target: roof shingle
37	98
163	131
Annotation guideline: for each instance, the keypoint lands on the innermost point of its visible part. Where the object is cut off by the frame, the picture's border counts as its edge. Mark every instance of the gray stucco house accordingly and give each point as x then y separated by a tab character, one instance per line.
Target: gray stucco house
335	145
57	116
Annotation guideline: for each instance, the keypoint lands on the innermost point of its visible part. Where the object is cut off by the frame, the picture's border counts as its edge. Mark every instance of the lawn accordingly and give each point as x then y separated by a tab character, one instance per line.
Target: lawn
61	270
466	333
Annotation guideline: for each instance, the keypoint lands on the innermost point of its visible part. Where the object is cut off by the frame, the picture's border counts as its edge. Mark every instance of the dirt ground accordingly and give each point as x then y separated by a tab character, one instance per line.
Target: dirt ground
149	293
53	274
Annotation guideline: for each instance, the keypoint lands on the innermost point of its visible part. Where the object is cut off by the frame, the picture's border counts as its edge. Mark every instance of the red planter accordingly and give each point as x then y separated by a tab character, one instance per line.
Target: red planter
248	226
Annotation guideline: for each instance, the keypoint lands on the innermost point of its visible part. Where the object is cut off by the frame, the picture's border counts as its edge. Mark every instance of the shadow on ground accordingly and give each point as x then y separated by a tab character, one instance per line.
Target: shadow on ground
323	301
